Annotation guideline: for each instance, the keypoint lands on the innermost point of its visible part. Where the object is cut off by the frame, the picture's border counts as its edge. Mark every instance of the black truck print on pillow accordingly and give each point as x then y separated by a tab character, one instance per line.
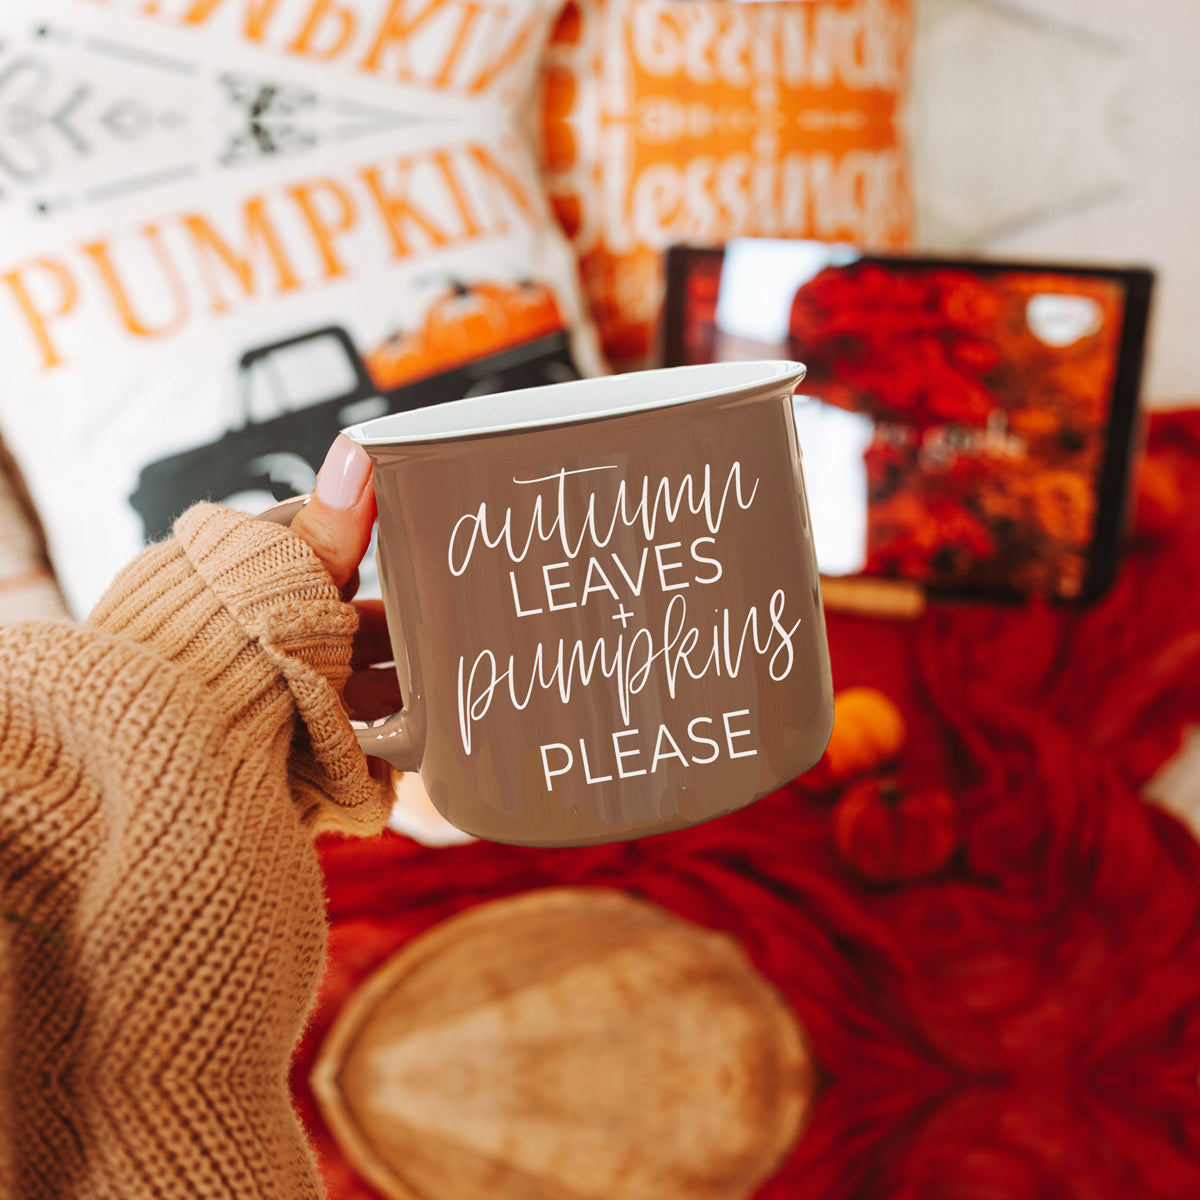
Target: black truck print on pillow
297	393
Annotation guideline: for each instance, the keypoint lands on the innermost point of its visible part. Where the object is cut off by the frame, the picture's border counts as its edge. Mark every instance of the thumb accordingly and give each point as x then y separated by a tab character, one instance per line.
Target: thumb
337	520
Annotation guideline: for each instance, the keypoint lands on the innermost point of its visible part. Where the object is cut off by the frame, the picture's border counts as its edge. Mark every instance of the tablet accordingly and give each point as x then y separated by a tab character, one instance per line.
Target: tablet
966	425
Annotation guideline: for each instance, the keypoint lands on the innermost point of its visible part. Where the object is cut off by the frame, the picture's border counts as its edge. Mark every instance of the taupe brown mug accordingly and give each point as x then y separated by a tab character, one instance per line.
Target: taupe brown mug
603	602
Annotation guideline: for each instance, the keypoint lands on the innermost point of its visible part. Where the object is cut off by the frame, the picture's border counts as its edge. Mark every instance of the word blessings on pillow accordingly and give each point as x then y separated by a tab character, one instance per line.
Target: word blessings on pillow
703	121
230	227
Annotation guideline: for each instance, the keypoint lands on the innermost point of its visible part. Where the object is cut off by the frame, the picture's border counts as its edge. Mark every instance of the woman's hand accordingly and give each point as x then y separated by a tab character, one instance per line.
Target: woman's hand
337	520
336	523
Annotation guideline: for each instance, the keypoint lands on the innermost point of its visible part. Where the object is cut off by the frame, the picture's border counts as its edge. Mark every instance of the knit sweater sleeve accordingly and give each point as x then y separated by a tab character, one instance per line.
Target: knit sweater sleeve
162	930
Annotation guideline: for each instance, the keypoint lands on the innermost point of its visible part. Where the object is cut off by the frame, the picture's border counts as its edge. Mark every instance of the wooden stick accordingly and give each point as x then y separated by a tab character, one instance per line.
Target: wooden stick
894	598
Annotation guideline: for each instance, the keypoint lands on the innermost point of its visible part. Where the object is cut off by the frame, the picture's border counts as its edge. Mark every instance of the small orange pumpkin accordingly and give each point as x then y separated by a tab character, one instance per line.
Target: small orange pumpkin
868	730
890	834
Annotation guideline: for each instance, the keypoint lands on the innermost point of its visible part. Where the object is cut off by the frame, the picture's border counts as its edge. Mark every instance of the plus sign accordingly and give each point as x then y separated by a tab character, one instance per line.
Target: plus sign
622	616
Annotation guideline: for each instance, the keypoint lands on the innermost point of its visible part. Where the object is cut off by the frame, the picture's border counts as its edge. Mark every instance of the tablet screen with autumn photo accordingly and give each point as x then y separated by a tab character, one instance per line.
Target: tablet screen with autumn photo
966	425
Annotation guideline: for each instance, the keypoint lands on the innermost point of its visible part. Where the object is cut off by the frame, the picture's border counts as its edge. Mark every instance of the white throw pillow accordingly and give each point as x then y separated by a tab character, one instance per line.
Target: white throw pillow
229	227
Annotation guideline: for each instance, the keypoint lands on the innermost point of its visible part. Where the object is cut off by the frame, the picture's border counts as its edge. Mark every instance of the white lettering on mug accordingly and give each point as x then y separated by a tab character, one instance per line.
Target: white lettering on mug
528	594
664	734
664	567
587	771
605	585
556	586
608	759
716	746
712	562
623	754
561	770
636	588
628	662
730	734
642	508
577	526
521	612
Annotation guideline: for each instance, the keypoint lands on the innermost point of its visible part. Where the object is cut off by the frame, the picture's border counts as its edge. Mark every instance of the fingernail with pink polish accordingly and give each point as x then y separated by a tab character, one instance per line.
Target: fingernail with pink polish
344	474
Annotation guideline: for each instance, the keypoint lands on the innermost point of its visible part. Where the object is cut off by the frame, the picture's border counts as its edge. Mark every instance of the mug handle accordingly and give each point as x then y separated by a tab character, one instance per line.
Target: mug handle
390	738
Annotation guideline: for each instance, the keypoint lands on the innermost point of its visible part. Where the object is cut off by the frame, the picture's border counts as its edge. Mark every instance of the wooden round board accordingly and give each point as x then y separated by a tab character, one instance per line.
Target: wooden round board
566	1044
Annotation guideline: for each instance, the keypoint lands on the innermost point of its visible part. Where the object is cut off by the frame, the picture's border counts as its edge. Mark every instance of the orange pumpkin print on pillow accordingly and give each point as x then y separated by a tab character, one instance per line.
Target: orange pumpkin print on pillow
698	122
467	322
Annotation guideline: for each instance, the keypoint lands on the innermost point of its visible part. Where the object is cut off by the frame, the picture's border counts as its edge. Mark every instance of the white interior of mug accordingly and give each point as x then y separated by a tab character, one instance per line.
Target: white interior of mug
578	400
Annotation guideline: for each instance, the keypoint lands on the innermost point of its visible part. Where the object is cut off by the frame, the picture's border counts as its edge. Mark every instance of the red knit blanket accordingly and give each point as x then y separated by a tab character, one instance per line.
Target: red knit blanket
1023	1024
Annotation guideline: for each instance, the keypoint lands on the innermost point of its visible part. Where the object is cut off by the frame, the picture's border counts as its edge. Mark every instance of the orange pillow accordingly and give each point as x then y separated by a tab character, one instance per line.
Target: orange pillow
664	121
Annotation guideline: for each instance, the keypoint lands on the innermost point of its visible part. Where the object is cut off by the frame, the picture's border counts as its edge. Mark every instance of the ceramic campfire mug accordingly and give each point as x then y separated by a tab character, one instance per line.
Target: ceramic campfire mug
603	601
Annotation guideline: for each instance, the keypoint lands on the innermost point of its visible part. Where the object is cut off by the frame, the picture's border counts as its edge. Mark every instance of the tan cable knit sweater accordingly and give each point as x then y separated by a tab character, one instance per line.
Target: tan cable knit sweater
163	929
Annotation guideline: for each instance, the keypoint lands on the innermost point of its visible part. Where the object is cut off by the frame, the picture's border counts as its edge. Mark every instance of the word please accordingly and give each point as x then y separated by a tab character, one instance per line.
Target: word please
626	745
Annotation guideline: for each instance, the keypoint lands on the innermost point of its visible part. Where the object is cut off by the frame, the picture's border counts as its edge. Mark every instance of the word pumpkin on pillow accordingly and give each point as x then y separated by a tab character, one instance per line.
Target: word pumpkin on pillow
230	227
666	122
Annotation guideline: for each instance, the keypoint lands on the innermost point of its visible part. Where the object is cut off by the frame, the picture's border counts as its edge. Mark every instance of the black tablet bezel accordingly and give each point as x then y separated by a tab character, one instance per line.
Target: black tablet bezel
1124	432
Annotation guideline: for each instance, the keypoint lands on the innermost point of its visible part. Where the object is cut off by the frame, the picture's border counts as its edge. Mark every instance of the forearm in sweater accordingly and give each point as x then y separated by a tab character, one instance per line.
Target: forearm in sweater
163	932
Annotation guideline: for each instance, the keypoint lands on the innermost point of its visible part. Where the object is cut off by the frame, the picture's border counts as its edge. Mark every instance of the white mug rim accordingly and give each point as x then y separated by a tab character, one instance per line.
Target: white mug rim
575	401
